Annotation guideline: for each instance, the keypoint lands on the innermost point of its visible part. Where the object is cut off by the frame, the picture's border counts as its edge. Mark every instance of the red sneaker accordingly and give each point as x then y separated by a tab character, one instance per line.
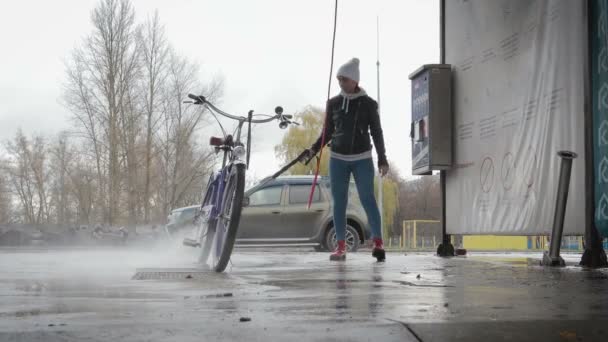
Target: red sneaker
378	251
340	253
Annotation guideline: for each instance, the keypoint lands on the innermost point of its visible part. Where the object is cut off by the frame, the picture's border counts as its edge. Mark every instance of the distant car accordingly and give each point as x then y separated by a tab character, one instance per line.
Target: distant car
180	218
276	214
110	234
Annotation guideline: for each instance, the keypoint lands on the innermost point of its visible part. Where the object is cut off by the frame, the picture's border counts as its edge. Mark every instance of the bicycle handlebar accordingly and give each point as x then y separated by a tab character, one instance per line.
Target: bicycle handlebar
201	100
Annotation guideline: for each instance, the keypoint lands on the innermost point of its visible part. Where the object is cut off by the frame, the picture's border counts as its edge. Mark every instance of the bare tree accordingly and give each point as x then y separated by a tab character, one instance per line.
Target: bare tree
181	166
40	171
423	198
88	120
5	196
138	153
61	159
100	77
154	51
130	124
84	189
28	172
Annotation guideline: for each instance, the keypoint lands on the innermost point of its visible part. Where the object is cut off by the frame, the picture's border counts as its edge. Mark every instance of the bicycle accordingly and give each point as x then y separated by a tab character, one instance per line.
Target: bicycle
218	218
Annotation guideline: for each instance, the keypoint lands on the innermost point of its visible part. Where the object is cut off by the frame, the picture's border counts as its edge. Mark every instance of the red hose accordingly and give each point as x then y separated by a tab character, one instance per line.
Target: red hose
314	182
331	69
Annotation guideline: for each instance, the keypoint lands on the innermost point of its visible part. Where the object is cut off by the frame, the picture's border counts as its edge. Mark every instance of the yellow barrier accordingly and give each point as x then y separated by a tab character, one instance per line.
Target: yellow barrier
409	239
492	242
409	236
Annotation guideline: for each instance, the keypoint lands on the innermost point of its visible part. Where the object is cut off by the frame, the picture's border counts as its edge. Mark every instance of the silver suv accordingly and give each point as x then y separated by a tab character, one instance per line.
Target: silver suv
276	214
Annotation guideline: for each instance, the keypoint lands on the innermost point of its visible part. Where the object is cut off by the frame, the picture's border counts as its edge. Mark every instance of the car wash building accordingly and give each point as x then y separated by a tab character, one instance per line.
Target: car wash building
518	104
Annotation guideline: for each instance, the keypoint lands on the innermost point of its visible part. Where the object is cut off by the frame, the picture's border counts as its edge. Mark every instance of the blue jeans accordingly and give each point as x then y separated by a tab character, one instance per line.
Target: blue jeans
339	176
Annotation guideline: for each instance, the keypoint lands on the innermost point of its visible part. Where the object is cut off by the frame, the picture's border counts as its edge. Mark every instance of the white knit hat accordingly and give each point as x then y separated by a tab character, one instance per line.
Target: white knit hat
350	70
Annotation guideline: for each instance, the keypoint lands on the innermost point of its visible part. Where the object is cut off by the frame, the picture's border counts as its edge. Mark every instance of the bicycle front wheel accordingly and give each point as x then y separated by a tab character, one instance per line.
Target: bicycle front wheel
206	229
228	221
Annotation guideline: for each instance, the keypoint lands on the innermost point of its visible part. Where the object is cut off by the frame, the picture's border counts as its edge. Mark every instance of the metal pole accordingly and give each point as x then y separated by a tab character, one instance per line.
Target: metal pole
445	249
553	258
403	236
444	233
408	240
380	180
415	234
410	233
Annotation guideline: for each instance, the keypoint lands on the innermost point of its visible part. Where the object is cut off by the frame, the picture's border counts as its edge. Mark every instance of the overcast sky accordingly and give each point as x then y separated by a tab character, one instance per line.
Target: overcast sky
270	52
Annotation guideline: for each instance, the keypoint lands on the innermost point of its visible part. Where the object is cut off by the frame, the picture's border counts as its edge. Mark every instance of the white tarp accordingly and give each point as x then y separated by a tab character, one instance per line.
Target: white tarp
518	100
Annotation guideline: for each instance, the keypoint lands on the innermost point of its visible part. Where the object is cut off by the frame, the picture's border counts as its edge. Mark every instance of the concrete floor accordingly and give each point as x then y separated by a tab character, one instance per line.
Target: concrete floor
159	294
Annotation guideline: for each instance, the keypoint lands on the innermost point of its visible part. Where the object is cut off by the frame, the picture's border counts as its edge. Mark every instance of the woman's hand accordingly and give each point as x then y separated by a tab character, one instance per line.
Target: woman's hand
307	155
383	169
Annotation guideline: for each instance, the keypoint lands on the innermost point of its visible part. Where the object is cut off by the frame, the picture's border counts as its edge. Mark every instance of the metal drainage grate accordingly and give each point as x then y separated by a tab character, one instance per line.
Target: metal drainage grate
170	274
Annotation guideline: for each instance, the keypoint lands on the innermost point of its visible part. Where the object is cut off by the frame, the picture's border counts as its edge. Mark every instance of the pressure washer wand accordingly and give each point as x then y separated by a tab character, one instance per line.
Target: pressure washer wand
282	170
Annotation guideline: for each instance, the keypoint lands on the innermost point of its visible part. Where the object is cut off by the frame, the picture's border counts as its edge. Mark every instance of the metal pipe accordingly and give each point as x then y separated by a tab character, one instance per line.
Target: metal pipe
403	236
444	233
554	258
446	248
380	178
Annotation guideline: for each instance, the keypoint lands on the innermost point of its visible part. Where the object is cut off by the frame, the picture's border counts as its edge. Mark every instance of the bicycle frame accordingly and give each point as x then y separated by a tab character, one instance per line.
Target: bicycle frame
228	160
215	188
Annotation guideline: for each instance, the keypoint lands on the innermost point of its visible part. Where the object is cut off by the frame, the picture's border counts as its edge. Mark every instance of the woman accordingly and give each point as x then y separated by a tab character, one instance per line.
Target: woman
350	118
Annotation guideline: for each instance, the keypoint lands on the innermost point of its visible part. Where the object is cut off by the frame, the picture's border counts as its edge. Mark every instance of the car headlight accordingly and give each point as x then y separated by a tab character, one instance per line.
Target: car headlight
239	152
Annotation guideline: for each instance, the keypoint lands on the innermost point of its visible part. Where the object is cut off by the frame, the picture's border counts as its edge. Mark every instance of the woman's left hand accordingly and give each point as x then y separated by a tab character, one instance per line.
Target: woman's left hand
383	169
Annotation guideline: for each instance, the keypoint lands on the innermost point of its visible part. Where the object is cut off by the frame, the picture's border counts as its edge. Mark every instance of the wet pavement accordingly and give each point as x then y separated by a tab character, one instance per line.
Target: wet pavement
159	294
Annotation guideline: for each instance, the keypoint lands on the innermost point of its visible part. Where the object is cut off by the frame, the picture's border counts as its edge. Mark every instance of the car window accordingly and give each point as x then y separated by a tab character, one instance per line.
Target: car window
299	194
175	214
188	213
266	196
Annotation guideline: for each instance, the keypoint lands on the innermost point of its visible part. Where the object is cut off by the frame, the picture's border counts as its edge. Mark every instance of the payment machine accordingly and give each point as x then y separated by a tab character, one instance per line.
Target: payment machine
431	128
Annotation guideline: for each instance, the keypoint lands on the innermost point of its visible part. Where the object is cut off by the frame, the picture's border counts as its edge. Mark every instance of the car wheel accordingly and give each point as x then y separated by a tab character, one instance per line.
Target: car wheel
352	239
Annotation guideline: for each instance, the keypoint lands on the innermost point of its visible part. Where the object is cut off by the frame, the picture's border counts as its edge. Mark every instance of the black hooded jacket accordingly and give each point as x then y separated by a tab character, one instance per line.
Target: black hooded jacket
348	124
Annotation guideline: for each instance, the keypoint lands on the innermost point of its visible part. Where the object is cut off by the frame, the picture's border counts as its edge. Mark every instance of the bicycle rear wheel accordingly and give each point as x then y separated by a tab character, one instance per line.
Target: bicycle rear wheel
228	221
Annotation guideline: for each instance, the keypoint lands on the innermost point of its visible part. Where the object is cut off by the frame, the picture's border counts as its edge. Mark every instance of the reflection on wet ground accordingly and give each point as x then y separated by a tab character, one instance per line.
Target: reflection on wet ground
161	294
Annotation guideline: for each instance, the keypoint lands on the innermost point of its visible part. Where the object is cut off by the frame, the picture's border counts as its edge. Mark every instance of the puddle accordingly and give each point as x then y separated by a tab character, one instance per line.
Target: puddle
21	314
306	282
